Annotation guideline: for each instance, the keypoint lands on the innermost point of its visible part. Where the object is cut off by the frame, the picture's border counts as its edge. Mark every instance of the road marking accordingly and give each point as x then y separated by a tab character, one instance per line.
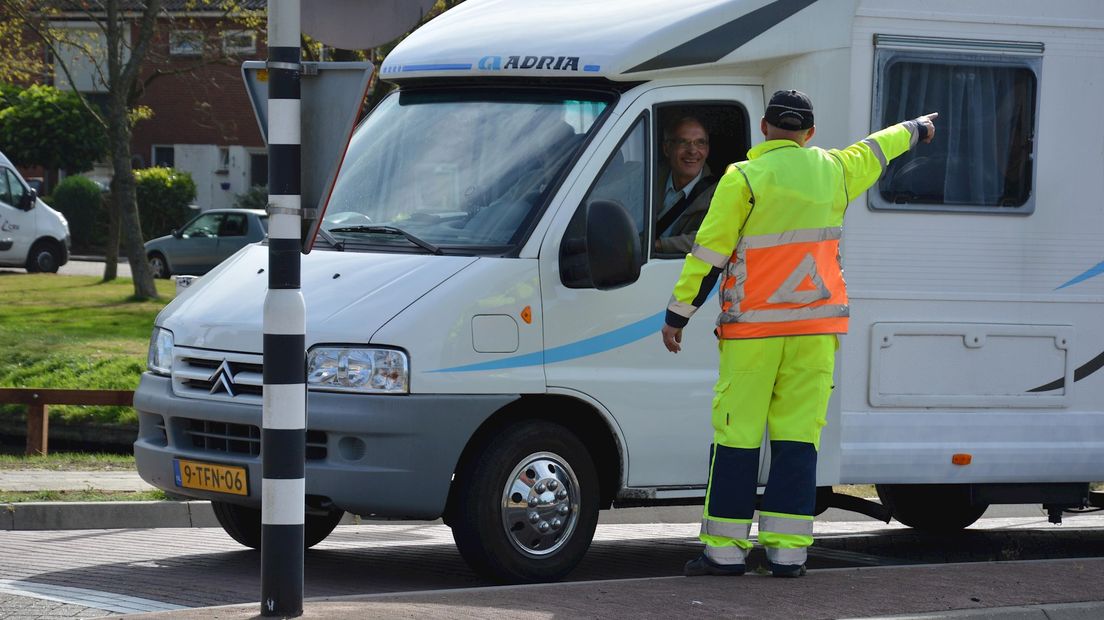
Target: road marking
107	601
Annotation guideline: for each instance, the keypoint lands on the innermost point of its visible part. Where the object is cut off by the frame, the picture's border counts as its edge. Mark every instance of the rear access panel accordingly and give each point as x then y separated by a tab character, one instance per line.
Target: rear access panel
969	365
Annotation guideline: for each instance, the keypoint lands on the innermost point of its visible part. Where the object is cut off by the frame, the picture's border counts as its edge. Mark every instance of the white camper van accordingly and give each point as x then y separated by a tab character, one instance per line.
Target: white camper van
32	235
484	304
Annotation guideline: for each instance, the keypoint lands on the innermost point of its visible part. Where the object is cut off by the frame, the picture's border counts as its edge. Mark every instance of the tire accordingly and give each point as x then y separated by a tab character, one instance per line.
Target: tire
532	475
44	257
159	267
243	524
935	508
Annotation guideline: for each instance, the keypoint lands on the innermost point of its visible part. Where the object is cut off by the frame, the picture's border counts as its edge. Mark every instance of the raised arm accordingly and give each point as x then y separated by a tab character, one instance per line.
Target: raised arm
864	161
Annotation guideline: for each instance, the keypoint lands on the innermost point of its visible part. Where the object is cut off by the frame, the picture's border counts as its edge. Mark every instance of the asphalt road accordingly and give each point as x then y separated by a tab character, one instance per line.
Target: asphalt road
80	268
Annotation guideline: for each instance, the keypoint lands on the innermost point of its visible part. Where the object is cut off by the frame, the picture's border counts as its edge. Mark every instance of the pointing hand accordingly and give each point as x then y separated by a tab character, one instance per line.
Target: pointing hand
927	121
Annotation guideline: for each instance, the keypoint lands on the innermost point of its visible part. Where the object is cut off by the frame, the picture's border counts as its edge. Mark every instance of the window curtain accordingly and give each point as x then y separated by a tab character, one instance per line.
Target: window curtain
982	153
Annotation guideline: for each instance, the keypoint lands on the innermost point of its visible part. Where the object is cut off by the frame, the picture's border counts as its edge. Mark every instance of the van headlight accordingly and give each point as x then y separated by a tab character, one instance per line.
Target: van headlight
347	369
160	356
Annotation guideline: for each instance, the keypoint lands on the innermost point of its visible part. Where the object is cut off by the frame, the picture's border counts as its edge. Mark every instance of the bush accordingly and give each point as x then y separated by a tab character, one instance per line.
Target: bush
163	198
48	127
81	202
255	198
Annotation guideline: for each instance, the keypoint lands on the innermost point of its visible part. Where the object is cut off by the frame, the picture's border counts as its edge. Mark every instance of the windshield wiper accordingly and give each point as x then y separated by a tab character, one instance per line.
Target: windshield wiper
391	230
330	239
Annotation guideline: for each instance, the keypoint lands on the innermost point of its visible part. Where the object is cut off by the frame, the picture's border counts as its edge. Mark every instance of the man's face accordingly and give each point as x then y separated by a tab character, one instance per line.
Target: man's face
686	150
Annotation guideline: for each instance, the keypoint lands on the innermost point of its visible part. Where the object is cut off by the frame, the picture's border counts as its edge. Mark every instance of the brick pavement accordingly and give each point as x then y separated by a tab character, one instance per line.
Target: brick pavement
197	567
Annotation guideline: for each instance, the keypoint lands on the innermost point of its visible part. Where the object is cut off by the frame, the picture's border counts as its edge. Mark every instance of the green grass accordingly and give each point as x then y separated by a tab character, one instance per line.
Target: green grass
69	461
15	497
75	333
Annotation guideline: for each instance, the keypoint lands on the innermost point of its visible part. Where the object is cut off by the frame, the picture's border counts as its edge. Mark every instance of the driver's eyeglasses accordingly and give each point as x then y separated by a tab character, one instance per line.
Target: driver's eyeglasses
700	143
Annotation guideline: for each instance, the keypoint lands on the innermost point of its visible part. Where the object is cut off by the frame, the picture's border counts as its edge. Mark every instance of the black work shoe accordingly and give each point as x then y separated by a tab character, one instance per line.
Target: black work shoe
702	565
787	570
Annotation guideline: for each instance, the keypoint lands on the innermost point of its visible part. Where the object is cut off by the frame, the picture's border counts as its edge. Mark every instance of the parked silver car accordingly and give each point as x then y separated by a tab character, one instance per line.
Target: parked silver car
205	241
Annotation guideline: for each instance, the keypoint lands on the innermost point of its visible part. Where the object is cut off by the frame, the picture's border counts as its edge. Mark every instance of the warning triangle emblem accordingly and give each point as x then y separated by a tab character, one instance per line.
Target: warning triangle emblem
803	286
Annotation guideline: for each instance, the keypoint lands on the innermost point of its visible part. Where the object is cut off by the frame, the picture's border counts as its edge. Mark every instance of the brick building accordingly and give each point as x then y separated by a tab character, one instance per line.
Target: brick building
202	121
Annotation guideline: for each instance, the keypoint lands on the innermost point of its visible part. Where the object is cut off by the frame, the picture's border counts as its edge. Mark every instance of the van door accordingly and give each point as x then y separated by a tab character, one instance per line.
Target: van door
17	227
605	344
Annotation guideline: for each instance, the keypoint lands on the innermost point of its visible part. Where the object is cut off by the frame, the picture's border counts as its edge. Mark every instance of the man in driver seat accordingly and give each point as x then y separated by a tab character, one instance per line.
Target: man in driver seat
688	188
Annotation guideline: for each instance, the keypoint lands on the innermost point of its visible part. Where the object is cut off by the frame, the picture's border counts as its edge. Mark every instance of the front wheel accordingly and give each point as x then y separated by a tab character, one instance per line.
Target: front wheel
936	508
43	258
159	268
527	504
243	524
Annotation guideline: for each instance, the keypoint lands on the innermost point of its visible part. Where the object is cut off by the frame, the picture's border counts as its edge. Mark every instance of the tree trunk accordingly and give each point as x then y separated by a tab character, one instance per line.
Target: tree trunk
111	251
126	203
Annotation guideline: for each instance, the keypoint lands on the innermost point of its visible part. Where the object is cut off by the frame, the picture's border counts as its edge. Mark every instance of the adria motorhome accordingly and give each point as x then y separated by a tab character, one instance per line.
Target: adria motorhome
483	321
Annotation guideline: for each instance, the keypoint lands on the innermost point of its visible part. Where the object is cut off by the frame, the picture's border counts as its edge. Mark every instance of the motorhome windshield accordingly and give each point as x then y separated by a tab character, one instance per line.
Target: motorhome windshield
459	172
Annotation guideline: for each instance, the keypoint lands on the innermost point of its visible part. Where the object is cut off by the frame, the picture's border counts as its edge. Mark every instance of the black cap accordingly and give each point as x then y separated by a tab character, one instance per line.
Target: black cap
790	109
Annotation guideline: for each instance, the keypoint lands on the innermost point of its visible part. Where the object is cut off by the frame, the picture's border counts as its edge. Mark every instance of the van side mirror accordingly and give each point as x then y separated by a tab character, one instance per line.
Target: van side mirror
175	233
27	202
601	248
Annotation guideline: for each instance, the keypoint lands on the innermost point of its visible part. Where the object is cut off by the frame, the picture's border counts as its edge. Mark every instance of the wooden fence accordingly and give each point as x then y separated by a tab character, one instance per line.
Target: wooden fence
38	403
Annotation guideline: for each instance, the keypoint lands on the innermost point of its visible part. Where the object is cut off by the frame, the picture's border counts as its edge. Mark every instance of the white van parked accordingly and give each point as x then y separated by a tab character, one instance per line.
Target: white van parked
483	310
32	235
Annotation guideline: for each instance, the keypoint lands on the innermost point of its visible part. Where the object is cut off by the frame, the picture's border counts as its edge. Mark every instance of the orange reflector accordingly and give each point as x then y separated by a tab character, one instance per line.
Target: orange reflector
527	314
961	459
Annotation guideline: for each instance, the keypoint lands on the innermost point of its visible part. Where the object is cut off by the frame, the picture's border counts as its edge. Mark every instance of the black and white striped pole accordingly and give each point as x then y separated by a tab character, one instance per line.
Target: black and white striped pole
283	437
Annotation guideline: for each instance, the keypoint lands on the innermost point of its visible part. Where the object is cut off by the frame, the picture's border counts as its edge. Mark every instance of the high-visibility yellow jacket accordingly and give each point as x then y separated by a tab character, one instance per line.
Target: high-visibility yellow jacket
773	230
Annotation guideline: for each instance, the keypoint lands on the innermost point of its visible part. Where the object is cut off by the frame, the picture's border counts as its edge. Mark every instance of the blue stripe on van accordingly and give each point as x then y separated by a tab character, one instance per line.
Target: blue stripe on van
1091	273
601	343
438	67
591	346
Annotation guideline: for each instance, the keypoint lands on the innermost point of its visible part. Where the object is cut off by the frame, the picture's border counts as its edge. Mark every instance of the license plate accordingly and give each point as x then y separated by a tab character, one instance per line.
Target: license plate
211	477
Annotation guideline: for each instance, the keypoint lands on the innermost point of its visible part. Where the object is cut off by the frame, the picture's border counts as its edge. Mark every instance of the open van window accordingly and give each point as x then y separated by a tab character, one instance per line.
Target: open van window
464	171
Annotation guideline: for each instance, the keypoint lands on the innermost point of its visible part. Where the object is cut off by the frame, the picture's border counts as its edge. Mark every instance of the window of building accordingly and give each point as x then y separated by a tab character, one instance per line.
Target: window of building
981	160
186	43
164	156
241	42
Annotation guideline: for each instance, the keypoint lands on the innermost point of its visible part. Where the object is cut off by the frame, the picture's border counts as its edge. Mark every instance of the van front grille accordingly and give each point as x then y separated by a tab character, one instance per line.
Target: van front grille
243	439
218	375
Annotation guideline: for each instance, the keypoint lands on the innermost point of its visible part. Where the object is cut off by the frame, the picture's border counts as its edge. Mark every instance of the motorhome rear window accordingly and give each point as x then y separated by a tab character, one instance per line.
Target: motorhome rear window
981	160
466	171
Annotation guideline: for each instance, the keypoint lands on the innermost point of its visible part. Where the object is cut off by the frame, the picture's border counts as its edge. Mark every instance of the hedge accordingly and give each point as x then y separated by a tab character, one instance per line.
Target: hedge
82	203
163	198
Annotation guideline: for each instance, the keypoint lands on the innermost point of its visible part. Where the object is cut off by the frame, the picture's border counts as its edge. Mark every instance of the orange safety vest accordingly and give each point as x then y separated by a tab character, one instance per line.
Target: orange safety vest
784	284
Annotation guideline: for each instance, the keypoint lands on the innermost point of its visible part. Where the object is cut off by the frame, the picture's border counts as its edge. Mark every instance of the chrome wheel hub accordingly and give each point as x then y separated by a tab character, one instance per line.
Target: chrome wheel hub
540	504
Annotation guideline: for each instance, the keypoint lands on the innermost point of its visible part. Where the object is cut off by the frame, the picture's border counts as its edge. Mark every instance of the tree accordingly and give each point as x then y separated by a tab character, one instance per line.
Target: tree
47	127
117	47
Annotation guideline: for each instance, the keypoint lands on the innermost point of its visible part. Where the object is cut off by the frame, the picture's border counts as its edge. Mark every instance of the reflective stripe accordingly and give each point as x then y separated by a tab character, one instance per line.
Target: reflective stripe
710	256
680	308
795	314
787	557
726	529
877	149
804	235
843	175
914	132
751	192
782	525
726	555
